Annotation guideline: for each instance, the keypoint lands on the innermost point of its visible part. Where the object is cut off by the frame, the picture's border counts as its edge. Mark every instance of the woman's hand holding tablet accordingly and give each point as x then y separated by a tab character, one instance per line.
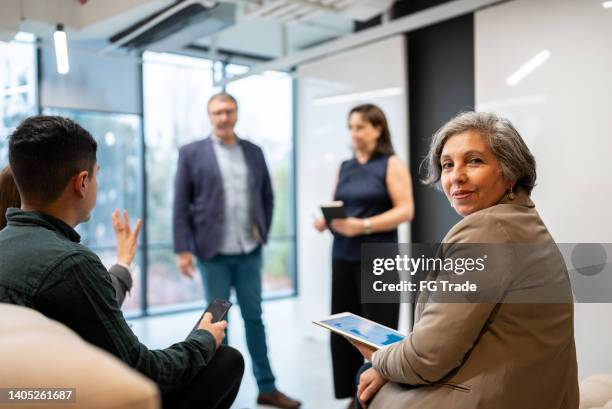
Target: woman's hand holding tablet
361	330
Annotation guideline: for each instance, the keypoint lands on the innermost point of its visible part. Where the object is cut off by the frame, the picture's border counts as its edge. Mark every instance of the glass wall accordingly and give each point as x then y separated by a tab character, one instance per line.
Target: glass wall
119	181
266	118
176	91
17	86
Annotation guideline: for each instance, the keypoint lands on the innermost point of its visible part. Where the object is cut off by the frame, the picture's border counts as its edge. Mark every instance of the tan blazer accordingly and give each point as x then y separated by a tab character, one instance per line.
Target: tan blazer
489	355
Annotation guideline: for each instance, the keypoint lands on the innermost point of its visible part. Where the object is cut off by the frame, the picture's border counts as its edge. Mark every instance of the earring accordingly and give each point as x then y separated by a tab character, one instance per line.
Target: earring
511	195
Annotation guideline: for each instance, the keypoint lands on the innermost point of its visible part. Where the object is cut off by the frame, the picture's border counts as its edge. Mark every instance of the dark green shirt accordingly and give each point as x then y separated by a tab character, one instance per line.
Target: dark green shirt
43	266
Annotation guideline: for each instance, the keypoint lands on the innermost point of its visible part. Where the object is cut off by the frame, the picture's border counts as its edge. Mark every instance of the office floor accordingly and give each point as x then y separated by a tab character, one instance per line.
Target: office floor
299	353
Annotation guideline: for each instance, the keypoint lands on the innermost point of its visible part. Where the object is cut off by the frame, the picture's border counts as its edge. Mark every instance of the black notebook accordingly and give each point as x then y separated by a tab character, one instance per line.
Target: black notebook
333	210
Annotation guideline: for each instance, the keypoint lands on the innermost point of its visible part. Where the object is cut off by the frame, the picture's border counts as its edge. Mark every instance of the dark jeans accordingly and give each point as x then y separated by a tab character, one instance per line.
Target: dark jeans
215	386
346	297
243	273
361	370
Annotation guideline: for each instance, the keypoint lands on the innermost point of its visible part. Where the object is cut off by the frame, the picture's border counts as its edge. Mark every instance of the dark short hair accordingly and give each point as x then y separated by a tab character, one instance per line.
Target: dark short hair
9	195
45	152
222	96
375	116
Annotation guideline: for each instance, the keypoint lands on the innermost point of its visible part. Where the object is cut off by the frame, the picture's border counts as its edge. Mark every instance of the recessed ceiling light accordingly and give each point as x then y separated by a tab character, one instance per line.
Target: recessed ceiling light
61	50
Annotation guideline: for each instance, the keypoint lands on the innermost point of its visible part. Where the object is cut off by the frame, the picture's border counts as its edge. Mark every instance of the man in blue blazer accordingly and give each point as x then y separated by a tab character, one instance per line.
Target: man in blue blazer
222	213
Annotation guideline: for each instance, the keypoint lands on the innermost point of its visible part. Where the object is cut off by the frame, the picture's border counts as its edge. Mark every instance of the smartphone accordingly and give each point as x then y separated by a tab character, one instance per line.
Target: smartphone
218	308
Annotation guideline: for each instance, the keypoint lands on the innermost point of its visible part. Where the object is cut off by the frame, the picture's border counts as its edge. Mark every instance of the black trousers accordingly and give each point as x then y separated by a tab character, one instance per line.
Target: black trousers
346	297
214	387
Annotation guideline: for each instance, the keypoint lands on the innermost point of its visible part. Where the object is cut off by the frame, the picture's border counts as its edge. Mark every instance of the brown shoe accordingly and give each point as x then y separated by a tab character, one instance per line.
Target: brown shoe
278	399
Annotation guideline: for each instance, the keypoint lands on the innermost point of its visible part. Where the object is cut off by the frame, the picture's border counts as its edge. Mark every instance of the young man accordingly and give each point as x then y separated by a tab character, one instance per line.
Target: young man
222	213
43	266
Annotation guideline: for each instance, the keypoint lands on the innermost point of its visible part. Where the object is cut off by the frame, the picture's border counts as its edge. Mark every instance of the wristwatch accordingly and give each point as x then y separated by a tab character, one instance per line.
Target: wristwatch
367	226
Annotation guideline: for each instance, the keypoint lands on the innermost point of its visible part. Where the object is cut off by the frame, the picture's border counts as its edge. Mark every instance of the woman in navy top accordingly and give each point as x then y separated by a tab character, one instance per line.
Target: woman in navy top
376	189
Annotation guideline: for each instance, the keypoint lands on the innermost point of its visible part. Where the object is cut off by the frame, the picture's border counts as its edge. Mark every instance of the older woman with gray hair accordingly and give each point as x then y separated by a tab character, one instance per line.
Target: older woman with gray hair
499	353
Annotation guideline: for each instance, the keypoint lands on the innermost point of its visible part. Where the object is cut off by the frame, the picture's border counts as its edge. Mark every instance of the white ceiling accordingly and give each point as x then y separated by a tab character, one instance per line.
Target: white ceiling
266	28
265	36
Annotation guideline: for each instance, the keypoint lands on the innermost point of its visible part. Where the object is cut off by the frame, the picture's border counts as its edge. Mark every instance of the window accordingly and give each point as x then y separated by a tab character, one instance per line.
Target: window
17	86
119	185
266	118
176	90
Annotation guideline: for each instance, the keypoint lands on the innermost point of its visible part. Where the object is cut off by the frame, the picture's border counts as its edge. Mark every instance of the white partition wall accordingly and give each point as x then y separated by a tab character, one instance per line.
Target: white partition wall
327	90
547	66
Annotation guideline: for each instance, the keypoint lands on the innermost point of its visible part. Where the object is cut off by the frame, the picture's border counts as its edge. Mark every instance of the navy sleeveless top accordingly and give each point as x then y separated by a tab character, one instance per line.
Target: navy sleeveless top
363	189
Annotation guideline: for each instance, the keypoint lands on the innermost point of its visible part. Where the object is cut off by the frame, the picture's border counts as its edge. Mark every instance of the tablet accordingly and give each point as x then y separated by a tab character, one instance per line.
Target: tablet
333	210
360	329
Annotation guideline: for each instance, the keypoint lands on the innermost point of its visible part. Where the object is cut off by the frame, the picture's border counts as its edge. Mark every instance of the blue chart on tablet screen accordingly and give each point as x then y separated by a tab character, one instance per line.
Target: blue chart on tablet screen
365	330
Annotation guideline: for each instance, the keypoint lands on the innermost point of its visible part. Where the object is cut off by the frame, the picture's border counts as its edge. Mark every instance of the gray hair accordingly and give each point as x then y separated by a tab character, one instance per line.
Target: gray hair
222	96
517	162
